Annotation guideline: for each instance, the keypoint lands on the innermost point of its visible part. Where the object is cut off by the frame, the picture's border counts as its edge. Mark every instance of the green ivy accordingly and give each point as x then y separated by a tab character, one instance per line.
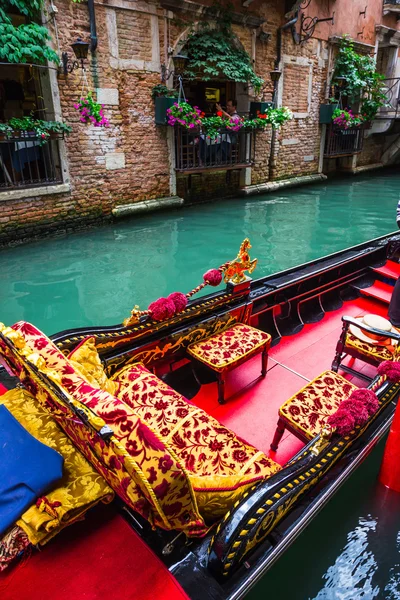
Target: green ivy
25	43
29	8
360	78
214	52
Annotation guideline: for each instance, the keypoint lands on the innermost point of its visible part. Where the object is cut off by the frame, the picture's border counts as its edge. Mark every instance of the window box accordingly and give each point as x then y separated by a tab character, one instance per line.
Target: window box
259	107
162	104
326	113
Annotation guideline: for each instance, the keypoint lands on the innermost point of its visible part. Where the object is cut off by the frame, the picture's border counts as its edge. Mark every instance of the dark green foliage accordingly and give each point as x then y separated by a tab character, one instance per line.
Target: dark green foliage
216	52
360	78
29	8
161	90
25	43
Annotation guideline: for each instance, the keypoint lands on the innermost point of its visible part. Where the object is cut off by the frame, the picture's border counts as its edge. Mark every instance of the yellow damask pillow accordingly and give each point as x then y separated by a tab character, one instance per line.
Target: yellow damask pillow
86	360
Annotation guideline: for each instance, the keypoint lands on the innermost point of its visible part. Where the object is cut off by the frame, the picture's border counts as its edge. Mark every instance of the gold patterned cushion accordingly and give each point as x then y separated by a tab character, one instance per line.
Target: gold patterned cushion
309	408
229	347
379	352
143	470
80	488
220	465
86	360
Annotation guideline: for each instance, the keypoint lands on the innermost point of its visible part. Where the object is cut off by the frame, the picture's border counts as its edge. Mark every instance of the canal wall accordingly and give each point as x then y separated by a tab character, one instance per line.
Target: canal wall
101	169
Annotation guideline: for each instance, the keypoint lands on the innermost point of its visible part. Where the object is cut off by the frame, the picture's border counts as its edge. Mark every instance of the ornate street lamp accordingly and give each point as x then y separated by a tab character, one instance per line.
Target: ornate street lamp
179	62
275	75
81	50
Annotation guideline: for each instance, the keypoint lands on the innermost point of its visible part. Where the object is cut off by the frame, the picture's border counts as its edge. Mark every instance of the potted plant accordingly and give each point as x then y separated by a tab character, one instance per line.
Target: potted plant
164	98
346	119
31	127
5	131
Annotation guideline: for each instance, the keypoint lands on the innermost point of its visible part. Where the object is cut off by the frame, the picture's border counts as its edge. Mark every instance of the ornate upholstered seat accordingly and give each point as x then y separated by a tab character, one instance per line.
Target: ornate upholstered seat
371	353
230	348
305	413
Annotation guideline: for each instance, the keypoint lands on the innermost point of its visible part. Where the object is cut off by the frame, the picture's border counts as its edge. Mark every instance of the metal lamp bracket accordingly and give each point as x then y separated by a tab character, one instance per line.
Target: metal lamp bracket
308	25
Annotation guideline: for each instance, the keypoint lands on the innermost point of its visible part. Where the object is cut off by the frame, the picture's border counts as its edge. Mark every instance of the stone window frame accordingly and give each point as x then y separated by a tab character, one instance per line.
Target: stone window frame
301	61
123	64
45	190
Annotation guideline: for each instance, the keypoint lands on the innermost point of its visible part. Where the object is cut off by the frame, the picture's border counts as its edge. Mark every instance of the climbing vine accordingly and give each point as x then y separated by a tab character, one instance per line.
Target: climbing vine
28	42
360	78
214	51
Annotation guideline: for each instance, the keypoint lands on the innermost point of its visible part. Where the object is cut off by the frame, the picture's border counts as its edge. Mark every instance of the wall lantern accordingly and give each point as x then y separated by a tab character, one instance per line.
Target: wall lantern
81	50
179	63
275	75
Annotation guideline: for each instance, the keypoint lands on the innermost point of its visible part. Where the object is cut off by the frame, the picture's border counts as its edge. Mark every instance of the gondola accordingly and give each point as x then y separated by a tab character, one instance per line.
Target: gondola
226	525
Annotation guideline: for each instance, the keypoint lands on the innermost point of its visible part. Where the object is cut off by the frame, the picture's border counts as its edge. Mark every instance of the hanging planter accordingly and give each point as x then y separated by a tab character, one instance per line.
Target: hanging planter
162	104
91	111
326	113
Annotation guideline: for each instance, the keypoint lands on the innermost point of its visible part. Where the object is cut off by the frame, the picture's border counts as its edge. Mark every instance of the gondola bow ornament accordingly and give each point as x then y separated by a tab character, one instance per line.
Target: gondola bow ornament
165	308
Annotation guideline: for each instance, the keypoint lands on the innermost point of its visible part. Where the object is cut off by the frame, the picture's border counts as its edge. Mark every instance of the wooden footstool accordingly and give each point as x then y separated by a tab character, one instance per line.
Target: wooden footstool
305	413
227	350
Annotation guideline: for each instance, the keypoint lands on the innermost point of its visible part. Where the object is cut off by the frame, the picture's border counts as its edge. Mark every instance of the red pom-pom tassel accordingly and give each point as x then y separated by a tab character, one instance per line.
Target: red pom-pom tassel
179	300
213	277
343	421
162	309
357	409
368	398
391	369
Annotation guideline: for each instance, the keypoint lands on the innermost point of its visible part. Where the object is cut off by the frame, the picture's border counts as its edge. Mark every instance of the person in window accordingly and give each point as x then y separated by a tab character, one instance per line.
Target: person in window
229	141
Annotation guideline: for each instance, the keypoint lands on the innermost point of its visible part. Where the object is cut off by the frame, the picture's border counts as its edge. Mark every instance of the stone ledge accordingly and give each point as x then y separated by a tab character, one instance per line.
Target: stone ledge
124	210
358	170
272	186
33	192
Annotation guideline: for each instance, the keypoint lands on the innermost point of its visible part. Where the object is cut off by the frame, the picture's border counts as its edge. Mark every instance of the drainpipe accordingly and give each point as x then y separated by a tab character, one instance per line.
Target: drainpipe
93	32
292	24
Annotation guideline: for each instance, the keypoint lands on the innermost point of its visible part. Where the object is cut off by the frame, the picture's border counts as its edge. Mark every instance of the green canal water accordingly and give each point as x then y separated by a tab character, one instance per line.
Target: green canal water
97	276
351	550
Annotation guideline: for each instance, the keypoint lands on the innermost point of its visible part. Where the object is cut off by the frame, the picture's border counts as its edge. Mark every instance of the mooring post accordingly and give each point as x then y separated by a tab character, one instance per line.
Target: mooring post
389	474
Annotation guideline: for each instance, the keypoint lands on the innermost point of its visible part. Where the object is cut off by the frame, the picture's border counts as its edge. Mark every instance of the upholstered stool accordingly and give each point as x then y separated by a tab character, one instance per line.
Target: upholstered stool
364	349
227	350
305	413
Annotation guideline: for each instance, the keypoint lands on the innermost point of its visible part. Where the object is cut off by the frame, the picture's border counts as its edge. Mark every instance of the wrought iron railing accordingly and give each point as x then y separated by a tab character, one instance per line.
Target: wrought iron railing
391	89
343	142
26	162
196	152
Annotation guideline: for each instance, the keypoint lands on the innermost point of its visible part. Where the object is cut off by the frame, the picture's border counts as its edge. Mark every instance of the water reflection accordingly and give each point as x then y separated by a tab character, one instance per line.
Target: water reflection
368	567
97	276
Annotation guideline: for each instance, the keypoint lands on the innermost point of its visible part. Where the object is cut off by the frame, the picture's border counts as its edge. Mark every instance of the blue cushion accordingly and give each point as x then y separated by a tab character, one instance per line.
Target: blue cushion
28	469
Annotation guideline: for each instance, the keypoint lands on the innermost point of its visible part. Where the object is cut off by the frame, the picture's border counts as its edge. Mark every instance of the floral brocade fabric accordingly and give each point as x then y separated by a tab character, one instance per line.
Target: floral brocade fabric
142	469
230	346
309	408
80	488
86	360
379	352
220	465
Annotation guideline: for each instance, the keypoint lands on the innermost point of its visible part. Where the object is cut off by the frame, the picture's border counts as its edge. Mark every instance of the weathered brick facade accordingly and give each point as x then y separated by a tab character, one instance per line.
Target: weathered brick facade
132	159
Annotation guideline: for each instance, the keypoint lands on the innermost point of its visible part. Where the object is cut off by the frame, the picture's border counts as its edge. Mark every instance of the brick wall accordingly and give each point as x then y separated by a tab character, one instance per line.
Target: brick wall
129	161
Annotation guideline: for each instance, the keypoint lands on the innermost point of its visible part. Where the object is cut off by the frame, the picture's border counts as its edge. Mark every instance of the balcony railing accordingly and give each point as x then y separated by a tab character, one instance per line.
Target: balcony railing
343	142
196	152
24	163
391	89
